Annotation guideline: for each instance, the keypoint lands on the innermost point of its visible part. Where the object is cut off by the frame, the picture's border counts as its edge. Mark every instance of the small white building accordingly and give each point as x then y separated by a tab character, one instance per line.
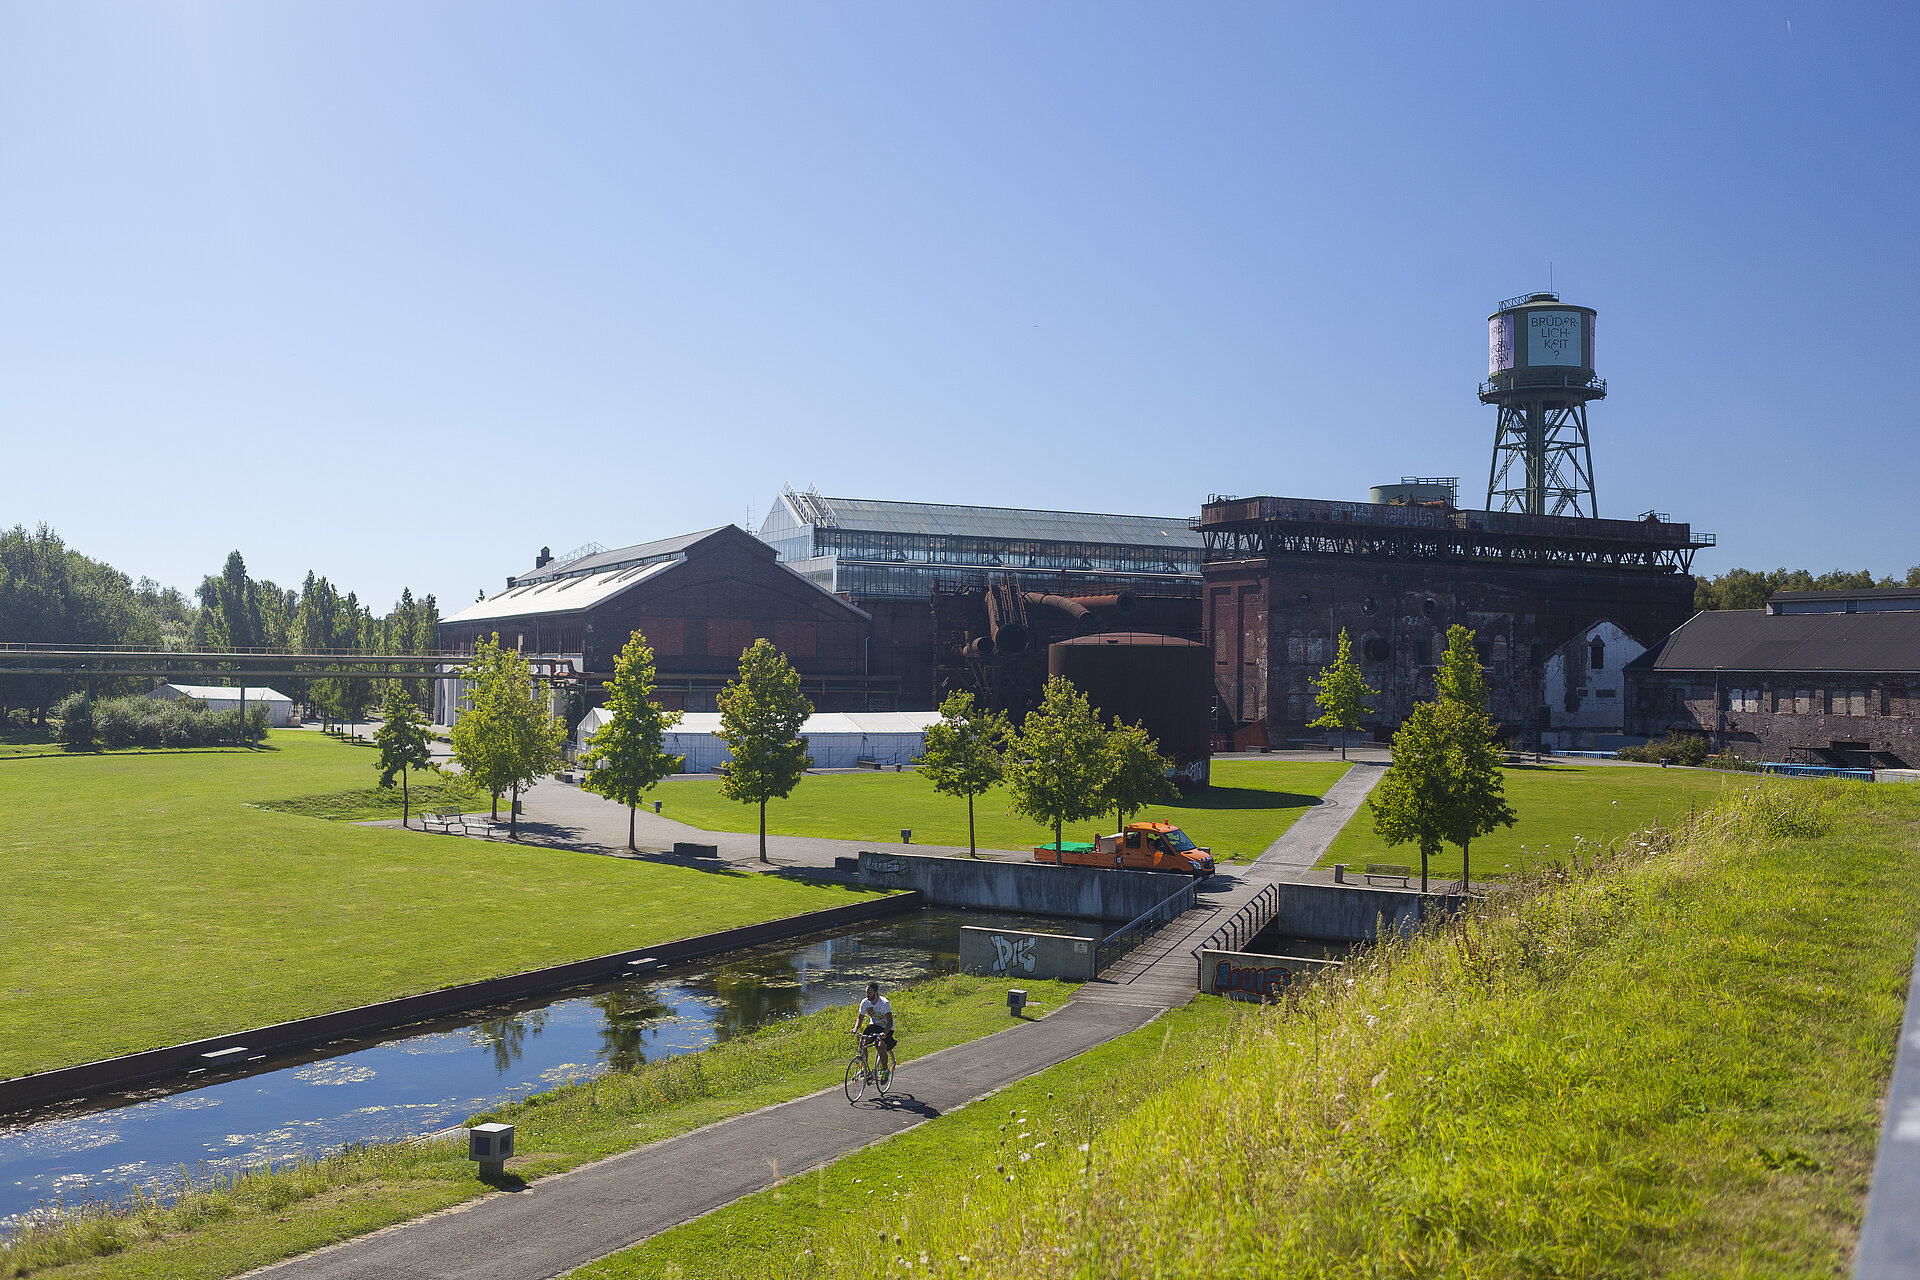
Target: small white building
220	697
835	739
1585	687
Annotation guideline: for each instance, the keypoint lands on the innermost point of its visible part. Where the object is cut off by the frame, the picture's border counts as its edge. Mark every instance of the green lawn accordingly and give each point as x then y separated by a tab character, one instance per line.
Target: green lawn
1669	1064
224	1230
161	907
1250	803
1554	803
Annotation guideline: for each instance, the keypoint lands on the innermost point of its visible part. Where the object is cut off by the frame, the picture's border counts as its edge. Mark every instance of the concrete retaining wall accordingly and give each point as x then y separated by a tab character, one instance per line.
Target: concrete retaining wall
1035	888
1007	953
132	1069
1351	914
1255	977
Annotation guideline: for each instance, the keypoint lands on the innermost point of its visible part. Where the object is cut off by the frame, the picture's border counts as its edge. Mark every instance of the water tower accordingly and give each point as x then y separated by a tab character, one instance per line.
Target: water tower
1540	373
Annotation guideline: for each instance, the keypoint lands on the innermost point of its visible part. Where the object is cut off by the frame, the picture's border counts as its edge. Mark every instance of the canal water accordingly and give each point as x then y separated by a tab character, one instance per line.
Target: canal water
432	1076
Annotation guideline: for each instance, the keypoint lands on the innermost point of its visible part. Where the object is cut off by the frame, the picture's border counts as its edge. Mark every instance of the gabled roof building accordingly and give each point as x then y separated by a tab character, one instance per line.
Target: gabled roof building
1817	677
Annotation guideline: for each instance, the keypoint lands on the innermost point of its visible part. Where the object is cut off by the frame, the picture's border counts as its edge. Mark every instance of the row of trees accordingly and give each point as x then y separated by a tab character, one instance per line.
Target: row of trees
52	594
1749	589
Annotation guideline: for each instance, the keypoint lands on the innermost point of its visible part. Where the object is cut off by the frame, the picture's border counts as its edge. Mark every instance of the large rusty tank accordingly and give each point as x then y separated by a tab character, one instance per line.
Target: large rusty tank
1160	681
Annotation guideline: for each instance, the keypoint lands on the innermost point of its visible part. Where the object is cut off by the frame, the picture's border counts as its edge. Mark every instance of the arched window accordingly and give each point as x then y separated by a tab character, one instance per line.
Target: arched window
1597	653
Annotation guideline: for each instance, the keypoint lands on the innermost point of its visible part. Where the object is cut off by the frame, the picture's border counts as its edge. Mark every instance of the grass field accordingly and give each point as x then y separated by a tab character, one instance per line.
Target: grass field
1250	803
1667	1064
222	1231
162	907
1554	803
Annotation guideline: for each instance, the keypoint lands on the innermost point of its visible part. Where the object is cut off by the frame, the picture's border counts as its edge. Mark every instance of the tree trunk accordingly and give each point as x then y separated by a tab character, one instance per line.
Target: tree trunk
1423	868
973	850
513	816
630	845
1343	742
406	806
1466	880
763	831
496	806
1056	844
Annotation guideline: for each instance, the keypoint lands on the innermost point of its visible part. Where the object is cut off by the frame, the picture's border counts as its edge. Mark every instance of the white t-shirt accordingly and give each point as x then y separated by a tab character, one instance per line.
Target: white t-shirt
879	1011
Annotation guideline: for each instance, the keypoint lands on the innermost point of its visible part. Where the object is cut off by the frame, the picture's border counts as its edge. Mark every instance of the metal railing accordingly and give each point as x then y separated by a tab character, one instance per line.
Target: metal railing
1144	926
1239	930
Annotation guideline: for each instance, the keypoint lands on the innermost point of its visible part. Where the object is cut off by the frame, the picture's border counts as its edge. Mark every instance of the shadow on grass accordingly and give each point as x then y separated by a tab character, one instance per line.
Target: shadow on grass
554	835
1225	799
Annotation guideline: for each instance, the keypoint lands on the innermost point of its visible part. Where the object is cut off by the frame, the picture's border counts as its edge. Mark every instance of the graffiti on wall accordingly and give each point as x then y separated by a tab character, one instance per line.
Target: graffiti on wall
1010	954
884	866
1257	981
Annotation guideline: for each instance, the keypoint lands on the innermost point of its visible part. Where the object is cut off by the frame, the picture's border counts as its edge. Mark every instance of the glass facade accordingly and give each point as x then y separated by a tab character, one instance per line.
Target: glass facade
867	548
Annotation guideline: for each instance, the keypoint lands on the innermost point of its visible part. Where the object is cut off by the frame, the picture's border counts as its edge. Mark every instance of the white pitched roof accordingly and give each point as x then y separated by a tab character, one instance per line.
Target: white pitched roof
560	595
255	692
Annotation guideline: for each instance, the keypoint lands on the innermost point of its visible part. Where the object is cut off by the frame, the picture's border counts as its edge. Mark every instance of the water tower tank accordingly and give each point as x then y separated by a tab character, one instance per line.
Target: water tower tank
1539	340
1160	681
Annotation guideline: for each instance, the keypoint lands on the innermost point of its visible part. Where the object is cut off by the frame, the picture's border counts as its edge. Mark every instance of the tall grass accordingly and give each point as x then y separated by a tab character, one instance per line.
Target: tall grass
1666	1059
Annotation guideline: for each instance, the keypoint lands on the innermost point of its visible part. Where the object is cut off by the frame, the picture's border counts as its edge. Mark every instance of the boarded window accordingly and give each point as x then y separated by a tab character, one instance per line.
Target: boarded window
1803	702
666	635
1597	653
1857	702
796	639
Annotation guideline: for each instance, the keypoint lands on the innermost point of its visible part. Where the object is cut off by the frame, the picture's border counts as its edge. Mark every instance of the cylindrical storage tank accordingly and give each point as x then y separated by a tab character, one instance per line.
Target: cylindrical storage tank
1160	681
1540	340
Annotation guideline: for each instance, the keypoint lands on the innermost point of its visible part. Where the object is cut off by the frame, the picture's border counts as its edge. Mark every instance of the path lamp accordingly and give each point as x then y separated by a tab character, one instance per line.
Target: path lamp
492	1146
1016	1001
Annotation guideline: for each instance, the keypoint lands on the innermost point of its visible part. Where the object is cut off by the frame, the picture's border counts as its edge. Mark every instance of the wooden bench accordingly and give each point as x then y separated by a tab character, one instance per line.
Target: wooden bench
1387	871
456	824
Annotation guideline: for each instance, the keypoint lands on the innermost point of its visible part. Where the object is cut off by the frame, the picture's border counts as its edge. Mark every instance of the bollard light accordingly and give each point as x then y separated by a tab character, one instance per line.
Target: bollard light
1016	1001
656	806
492	1146
906	835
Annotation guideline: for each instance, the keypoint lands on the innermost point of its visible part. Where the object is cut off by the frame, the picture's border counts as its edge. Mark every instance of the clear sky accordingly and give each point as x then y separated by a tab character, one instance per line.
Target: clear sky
402	291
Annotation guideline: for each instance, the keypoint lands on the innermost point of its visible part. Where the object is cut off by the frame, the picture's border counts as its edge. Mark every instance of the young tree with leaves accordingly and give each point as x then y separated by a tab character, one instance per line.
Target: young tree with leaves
1057	761
1341	692
405	741
1445	783
624	759
760	717
962	755
1137	771
507	738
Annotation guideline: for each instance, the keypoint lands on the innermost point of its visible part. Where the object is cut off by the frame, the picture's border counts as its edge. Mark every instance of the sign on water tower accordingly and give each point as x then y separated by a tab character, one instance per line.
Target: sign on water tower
1500	343
1553	338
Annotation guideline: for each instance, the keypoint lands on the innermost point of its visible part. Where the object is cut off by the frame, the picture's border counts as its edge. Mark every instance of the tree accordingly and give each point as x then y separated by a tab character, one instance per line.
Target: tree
507	737
1136	771
760	717
624	760
1445	783
962	755
1341	693
405	741
1057	762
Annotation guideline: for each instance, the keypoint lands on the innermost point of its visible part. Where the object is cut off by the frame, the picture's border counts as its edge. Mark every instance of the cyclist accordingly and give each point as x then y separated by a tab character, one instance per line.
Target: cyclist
878	1015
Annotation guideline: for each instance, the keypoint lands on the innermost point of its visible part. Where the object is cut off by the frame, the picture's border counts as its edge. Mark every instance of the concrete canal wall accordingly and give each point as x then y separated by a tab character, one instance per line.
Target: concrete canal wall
1030	888
1006	953
1347	913
237	1048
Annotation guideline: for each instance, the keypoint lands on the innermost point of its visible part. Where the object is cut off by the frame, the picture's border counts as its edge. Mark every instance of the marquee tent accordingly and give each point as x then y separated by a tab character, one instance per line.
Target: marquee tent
835	739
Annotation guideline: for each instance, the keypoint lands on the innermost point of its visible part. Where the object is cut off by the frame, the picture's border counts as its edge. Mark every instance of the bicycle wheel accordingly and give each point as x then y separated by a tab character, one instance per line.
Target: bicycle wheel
883	1076
856	1077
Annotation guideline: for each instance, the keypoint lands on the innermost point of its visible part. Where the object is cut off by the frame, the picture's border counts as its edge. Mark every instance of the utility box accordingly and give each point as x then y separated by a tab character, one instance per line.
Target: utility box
492	1146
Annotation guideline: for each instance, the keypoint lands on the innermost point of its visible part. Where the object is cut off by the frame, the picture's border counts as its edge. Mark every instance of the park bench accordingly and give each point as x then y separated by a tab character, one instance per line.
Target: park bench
456	824
1387	871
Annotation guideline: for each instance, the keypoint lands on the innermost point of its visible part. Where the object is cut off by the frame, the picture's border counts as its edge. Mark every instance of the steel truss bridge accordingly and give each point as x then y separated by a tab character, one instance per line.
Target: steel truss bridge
1263	528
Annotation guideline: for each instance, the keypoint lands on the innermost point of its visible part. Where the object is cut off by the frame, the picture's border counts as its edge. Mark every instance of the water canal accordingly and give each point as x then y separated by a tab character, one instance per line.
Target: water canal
431	1076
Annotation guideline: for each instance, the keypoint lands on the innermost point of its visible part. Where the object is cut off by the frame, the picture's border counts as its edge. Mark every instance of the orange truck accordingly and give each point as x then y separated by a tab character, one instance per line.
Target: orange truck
1141	846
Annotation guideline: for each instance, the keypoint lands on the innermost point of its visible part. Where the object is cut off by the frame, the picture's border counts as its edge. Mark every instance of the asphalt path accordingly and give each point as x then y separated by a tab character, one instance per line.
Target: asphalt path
561	1222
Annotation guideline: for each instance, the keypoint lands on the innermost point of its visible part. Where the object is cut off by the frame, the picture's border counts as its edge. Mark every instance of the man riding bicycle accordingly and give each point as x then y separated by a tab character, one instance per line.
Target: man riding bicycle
877	1014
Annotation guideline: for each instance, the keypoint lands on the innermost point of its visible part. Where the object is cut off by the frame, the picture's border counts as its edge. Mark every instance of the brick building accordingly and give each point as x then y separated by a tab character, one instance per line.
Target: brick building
1817	677
1283	577
700	599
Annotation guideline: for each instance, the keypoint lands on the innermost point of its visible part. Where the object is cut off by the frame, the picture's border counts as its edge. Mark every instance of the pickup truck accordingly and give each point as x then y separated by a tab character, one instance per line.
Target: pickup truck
1142	846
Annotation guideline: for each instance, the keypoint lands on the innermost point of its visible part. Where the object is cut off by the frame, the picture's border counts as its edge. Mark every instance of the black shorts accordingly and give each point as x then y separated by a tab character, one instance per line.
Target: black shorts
882	1037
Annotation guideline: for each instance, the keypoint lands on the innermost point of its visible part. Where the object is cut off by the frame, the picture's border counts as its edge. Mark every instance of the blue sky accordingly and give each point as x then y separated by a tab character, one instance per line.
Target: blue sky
401	292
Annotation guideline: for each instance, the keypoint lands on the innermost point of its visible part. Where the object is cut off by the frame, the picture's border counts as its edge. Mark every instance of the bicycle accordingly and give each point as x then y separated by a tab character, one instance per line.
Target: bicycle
861	1071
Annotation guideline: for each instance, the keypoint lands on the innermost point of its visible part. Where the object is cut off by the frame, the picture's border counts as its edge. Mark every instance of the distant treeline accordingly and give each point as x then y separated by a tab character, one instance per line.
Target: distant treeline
1749	588
51	594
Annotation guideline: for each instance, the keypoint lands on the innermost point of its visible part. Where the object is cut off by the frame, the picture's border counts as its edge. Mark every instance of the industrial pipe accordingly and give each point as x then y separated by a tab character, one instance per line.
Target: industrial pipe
1121	603
978	647
1081	615
1008	630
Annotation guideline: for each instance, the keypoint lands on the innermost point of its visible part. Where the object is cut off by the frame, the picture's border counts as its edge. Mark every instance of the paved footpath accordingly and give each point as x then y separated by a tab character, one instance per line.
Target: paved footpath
564	1221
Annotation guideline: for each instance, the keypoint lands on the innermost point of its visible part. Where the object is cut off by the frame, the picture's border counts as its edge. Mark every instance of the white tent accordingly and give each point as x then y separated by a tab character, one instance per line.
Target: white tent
835	739
222	698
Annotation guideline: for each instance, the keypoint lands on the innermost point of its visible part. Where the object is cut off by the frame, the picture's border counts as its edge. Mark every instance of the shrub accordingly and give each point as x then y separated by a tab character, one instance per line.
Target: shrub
77	731
183	722
1675	748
